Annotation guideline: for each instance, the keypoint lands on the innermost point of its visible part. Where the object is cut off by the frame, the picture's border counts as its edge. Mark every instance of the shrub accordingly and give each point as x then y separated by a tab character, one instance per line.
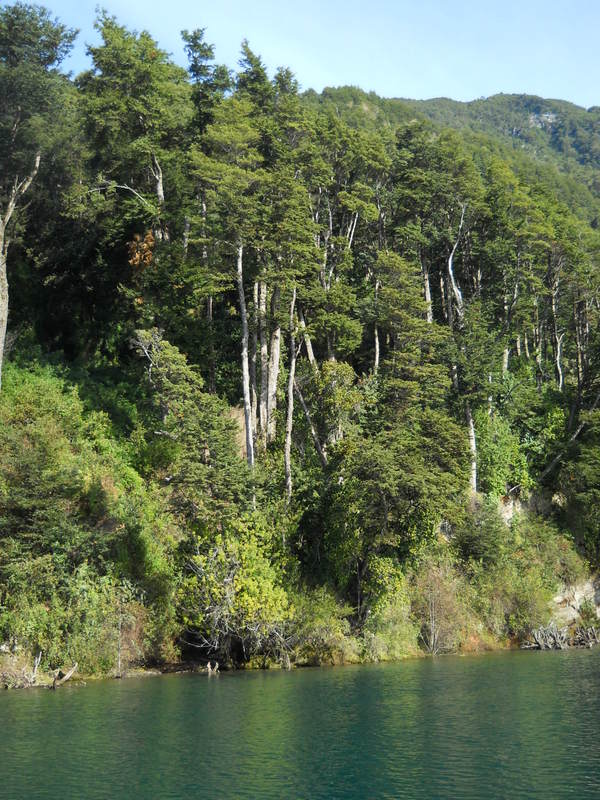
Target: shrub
439	604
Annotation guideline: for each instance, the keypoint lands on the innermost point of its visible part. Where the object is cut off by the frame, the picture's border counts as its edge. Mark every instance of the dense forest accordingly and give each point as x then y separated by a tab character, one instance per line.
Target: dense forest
285	377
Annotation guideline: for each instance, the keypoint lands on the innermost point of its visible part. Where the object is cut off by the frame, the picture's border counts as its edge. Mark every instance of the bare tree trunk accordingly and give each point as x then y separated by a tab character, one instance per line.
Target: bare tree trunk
557	337
307	341
578	343
454	293
472	446
427	290
275	353
505	356
161	230
289	422
264	360
253	348
376	334
559	372
453	285
245	366
3	297
18	190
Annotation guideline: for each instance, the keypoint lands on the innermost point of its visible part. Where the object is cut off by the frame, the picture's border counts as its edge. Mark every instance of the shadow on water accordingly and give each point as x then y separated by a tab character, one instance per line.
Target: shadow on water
508	725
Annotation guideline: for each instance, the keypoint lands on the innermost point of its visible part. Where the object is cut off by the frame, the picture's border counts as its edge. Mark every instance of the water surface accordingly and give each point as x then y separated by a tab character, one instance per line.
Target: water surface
509	725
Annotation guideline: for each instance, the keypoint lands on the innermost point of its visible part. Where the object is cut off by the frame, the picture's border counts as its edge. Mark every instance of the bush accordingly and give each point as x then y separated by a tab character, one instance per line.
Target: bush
320	630
389	633
233	602
439	604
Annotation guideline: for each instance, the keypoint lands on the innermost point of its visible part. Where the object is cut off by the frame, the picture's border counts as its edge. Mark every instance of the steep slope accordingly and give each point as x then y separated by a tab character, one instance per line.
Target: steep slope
540	137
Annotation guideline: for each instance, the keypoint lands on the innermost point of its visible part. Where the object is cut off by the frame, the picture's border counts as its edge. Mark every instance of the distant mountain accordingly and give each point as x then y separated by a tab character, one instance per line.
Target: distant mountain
554	133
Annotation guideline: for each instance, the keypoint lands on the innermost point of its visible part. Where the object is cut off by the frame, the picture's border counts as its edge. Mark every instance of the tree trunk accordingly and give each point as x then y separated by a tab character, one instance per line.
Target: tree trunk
253	348
505	356
161	230
472	446
275	353
307	341
245	366
427	290
557	337
186	236
18	190
376	334
264	360
289	422
3	298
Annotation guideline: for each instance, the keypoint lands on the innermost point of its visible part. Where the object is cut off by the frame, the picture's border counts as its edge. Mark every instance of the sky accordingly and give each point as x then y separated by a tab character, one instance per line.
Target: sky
463	49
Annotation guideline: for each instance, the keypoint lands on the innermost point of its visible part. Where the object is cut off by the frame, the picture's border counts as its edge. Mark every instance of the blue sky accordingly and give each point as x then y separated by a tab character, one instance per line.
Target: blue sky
410	48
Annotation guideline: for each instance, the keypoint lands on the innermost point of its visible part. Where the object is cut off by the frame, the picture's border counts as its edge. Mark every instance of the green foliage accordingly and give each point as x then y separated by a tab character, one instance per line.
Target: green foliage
500	458
521	569
70	505
211	264
390	632
233	600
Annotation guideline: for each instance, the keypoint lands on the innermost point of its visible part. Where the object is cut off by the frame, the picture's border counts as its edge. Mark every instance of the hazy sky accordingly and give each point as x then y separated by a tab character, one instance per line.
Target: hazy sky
410	48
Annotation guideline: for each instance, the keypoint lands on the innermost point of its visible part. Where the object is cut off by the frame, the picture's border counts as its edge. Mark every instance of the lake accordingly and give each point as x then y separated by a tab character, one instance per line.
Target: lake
503	725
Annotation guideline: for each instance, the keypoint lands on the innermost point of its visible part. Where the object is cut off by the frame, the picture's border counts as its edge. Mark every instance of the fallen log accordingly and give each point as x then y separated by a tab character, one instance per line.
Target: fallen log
58	681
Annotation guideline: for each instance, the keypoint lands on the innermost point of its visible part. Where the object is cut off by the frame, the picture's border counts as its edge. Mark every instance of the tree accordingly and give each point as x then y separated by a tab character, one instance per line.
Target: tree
137	106
32	47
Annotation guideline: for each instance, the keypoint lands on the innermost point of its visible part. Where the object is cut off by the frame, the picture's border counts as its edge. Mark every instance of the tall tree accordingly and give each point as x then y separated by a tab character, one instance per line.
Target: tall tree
32	47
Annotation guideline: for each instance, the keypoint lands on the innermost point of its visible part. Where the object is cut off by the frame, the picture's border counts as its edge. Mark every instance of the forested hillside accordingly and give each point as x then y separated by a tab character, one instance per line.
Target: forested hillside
278	366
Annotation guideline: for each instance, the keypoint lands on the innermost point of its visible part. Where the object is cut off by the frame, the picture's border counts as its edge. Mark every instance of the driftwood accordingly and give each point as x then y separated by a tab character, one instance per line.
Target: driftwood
59	680
553	638
548	638
15	678
586	637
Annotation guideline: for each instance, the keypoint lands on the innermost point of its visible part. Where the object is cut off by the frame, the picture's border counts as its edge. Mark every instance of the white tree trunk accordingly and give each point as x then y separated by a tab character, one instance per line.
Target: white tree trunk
307	341
253	348
472	446
505	357
289	422
274	358
245	367
161	231
427	290
3	299
264	360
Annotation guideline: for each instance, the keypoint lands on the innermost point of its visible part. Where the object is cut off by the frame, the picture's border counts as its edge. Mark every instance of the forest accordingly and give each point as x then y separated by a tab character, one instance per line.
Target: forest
285	377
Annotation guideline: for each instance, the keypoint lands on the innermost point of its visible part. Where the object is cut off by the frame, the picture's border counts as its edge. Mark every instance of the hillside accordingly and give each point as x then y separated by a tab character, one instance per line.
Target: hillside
398	302
554	134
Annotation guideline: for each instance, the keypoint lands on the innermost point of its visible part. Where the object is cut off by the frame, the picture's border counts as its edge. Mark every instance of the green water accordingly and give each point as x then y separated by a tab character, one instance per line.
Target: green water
511	725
